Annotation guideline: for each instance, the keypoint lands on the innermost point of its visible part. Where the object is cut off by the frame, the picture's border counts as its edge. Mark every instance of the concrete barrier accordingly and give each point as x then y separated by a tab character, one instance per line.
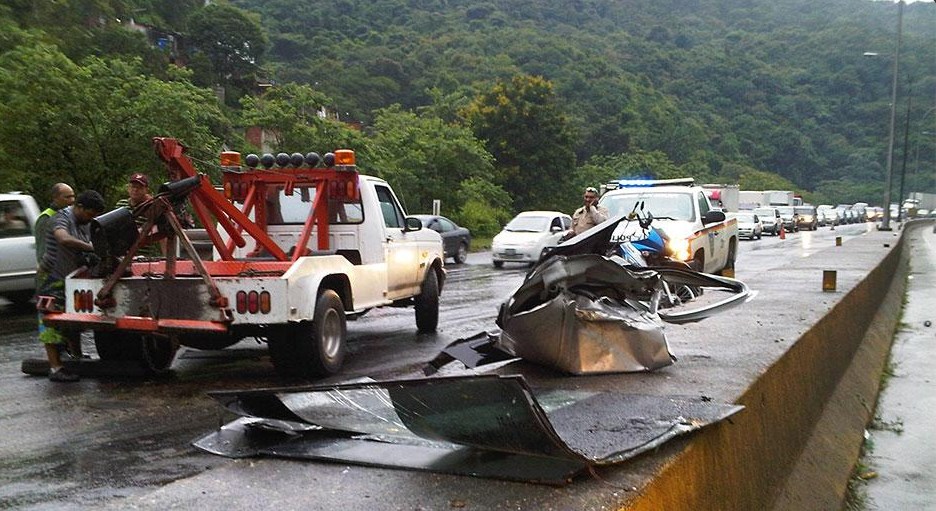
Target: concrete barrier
797	441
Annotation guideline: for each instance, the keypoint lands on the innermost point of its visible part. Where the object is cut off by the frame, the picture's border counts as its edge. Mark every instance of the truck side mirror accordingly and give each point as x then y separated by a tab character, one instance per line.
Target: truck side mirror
713	216
412	224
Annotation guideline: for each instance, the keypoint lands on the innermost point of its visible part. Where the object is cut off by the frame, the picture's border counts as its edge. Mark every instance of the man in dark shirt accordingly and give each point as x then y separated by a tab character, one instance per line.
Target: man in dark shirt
67	241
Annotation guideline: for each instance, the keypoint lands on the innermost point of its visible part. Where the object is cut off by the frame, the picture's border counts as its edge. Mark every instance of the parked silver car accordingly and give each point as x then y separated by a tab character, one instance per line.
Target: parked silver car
18	214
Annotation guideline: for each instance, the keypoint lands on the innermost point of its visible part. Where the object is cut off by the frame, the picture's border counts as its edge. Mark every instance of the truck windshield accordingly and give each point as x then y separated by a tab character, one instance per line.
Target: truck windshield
285	209
672	205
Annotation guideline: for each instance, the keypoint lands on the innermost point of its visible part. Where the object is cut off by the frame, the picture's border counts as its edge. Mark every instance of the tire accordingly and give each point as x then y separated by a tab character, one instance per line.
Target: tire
312	349
732	256
154	353
427	304
109	345
461	255
498	264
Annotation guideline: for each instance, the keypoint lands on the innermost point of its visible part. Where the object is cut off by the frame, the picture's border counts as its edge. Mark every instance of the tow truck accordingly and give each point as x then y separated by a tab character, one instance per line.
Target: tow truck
698	234
265	279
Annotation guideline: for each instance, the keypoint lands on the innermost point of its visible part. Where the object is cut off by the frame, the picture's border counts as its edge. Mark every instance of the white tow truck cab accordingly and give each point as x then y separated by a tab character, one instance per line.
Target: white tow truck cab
300	243
700	235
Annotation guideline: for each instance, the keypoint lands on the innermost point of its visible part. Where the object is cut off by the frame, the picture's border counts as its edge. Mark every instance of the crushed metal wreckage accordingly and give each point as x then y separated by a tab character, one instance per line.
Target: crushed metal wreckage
581	311
486	426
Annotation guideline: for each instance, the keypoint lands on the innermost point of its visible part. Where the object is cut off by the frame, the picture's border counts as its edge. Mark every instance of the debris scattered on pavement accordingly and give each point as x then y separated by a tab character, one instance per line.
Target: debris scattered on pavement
485	426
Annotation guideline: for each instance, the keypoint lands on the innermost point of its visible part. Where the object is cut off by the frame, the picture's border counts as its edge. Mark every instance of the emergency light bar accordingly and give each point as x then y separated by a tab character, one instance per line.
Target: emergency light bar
647	183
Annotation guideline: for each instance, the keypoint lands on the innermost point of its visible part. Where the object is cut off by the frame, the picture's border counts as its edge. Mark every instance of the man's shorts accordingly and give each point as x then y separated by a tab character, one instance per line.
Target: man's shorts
48	286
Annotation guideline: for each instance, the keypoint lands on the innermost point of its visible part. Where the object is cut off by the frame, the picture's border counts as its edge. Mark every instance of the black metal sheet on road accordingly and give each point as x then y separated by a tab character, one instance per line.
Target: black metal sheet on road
486	426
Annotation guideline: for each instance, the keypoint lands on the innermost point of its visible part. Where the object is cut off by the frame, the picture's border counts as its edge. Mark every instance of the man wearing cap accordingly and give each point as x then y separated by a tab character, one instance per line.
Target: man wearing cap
138	193
590	214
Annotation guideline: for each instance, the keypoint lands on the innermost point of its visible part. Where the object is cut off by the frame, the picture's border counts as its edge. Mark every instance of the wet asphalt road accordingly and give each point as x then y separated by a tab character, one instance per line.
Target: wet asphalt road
82	445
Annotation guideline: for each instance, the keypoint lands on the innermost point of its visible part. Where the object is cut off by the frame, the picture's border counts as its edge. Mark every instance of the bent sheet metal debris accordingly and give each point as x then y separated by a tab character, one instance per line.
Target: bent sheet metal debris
589	314
583	310
486	426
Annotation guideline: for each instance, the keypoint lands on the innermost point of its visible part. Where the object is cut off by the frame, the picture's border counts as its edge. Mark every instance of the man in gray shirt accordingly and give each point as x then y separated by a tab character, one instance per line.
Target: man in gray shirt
67	241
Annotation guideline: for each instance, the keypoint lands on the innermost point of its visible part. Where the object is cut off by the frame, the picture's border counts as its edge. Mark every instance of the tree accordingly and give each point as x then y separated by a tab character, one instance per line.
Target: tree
92	124
427	158
233	43
485	207
297	118
531	139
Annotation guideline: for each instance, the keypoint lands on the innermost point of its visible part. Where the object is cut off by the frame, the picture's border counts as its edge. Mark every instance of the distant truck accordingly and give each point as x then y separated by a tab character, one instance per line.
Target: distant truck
752	199
924	200
726	197
309	246
780	198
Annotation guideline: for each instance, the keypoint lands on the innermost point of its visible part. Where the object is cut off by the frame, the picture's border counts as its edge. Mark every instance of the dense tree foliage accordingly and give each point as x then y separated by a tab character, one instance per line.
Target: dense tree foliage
531	140
490	106
91	124
780	86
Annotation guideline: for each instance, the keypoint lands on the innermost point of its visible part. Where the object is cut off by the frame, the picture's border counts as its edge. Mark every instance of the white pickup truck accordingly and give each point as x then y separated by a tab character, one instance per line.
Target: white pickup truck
699	234
18	213
266	280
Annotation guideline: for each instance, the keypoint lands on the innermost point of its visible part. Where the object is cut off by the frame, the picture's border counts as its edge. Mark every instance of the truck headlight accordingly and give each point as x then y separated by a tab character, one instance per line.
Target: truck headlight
679	248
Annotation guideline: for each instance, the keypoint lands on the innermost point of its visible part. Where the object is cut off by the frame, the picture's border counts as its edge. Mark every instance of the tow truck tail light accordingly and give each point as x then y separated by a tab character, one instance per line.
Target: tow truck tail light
241	301
253	302
83	300
265	302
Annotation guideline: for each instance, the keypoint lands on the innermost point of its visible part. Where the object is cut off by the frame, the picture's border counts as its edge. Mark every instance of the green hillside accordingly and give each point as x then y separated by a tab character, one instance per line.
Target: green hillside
493	106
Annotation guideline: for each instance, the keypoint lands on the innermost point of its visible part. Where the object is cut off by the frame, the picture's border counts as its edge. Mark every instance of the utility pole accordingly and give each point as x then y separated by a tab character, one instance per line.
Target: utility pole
903	167
885	222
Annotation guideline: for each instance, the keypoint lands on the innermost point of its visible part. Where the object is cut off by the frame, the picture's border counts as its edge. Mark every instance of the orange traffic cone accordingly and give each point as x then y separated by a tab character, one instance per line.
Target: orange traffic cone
782	233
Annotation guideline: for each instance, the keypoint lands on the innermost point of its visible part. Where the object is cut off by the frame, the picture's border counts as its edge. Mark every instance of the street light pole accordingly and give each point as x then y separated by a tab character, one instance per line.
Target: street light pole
885	222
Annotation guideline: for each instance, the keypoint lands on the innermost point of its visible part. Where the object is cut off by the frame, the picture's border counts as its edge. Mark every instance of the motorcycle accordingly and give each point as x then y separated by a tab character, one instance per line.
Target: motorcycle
642	245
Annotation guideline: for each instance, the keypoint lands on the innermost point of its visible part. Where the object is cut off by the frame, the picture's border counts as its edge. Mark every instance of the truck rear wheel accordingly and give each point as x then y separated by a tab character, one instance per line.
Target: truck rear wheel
427	303
153	352
732	256
316	348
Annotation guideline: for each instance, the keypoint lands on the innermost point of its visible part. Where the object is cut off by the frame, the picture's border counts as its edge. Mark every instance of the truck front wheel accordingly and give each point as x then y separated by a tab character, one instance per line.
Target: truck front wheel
427	304
313	349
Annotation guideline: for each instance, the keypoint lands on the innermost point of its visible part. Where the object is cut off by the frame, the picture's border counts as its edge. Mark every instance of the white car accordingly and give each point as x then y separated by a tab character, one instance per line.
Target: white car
770	219
749	225
525	237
